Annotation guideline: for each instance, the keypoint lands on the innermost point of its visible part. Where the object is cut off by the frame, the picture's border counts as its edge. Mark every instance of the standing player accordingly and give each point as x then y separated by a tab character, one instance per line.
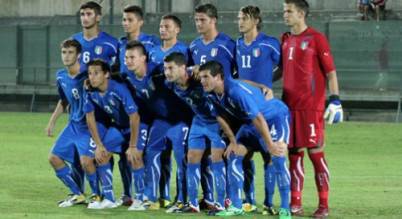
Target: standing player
264	127
133	19
211	45
116	101
75	137
204	128
307	65
257	55
169	29
95	43
170	124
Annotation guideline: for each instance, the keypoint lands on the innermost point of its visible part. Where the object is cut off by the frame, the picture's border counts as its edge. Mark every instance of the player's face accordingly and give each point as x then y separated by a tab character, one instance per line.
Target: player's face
96	76
69	56
207	80
168	29
134	59
246	23
292	15
203	23
131	23
172	71
89	19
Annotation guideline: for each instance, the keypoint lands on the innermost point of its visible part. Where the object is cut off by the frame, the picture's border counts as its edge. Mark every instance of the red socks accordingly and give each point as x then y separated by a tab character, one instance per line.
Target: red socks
296	168
321	177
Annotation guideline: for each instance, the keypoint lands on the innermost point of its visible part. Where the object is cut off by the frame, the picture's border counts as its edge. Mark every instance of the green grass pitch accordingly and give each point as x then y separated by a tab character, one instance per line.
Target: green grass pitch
365	161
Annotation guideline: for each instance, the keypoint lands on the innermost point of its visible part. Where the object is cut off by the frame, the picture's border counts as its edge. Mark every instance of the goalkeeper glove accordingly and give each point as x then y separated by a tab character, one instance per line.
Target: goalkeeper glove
334	112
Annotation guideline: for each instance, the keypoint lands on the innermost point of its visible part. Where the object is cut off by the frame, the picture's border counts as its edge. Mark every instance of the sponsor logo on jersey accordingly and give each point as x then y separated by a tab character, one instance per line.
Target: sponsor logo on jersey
98	50
256	52
304	45
214	52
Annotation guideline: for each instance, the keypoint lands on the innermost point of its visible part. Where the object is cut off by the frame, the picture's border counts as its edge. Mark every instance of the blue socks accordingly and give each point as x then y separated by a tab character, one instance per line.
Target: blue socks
283	178
65	175
93	182
236	180
269	180
106	178
219	171
139	184
249	187
193	180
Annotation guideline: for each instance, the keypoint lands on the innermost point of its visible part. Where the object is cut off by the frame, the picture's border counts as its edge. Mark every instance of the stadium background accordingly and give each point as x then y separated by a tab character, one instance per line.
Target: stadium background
30	33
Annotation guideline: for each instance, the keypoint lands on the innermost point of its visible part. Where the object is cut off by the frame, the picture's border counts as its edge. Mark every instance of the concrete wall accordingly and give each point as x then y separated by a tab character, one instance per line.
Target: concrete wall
23	8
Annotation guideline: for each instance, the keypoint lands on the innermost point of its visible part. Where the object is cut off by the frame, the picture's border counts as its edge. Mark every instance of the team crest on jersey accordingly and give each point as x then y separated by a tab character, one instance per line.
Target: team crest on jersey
304	45
256	52
98	50
214	52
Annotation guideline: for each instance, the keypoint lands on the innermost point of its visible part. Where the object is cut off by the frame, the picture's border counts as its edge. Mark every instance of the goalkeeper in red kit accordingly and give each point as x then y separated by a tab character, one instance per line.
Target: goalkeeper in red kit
307	65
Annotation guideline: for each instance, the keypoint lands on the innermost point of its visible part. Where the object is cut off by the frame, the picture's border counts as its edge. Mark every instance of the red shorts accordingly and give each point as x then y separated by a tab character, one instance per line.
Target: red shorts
307	129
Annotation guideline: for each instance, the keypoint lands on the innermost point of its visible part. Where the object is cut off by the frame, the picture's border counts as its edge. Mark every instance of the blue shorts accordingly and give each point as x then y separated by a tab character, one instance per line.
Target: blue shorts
249	136
202	132
142	137
161	132
76	137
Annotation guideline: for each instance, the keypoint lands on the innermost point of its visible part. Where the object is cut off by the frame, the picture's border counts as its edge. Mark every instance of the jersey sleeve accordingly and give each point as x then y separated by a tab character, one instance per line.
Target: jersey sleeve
244	100
62	95
324	53
276	51
127	100
88	104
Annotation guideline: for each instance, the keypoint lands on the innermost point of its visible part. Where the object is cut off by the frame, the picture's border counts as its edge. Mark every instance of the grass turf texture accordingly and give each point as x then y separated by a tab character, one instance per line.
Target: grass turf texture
365	162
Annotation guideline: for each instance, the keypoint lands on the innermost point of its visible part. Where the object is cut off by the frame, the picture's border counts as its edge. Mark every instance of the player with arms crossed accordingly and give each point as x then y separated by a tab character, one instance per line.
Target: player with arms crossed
264	127
307	66
257	55
116	101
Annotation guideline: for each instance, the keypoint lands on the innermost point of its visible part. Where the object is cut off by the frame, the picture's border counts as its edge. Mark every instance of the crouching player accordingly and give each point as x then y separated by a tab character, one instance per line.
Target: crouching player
116	101
204	128
265	126
75	137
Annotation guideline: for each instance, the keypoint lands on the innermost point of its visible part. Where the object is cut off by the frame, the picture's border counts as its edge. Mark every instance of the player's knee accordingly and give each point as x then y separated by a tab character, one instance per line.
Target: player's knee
193	156
55	161
241	150
88	164
217	155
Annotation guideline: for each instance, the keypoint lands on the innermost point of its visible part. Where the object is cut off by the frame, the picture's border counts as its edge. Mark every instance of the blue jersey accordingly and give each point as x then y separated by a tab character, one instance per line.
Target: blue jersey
255	62
71	90
221	49
104	47
157	54
158	98
116	102
149	42
196	98
245	102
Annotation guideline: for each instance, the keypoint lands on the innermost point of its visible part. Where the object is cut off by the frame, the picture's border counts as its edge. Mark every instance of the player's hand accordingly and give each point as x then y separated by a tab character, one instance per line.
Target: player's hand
334	112
133	154
231	149
268	93
279	148
50	129
195	72
101	154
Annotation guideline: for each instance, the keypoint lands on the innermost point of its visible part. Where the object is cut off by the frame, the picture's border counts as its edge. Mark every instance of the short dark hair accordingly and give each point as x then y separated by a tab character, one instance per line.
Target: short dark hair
137	10
71	43
92	5
214	67
99	62
174	18
253	12
208	9
300	4
135	44
176	57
